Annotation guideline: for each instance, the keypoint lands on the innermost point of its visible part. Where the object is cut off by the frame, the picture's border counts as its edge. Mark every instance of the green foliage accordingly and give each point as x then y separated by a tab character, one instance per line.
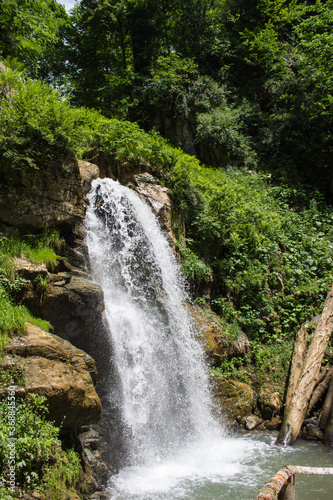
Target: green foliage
271	363
13	318
29	29
233	369
62	476
36	248
271	266
40	463
193	267
39	127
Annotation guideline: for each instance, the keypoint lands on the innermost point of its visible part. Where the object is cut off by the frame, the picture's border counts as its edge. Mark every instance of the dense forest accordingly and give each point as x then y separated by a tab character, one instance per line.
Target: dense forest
230	103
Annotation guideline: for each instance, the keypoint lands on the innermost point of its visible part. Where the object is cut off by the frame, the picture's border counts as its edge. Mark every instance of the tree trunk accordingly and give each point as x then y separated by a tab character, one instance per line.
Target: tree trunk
328	436
323	384
325	411
304	383
297	363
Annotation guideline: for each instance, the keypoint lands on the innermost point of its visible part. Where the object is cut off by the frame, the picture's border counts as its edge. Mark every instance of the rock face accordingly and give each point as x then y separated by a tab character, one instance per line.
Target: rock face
236	399
57	370
150	189
158	198
218	346
48	198
73	305
269	403
88	172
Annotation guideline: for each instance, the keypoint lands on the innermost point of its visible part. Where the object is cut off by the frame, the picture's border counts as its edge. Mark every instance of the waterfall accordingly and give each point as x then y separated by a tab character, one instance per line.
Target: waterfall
164	389
172	438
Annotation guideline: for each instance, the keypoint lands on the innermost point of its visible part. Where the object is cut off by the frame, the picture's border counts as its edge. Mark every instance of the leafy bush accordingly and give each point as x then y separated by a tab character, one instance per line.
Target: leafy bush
272	266
40	462
38	126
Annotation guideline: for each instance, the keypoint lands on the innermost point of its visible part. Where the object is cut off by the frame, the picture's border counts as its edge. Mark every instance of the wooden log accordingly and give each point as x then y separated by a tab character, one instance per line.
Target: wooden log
323	382
297	362
288	490
328	435
274	485
325	411
296	410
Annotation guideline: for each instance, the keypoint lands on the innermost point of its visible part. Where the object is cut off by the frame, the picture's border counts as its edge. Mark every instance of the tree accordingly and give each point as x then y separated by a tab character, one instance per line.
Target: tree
28	28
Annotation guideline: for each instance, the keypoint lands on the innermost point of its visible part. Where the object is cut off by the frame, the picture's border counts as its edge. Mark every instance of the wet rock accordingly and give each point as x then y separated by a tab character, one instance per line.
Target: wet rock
88	172
97	472
62	373
312	431
273	424
158	198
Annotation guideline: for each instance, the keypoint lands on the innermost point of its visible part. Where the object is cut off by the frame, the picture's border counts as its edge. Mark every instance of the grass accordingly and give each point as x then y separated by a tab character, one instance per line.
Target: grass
13	315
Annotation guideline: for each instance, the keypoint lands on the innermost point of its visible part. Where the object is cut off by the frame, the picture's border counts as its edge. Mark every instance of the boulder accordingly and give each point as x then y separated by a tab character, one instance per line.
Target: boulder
59	371
250	422
73	305
312	431
269	403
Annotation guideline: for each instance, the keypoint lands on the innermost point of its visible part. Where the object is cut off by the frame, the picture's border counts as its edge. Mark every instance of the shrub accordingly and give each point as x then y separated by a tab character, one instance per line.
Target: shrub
40	462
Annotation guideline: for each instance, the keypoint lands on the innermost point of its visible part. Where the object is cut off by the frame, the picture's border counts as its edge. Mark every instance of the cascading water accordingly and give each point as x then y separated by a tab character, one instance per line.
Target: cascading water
175	446
164	385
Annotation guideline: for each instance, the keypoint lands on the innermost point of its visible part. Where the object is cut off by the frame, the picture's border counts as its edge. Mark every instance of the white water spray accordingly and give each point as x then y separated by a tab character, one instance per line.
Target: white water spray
174	441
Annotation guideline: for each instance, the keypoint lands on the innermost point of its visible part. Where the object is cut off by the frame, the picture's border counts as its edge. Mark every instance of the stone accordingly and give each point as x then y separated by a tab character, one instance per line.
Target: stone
269	403
88	172
158	198
218	346
235	399
59	371
27	270
274	423
312	431
73	305
250	422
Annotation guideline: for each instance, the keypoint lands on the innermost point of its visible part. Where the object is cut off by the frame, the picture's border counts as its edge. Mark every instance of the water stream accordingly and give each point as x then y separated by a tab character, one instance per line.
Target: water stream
175	447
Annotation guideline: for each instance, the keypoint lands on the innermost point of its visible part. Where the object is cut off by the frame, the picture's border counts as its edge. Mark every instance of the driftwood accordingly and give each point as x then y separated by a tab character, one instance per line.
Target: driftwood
304	373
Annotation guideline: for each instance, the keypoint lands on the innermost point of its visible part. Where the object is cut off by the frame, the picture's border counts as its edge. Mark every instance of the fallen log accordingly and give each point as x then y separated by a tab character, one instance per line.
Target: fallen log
305	374
323	384
325	411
